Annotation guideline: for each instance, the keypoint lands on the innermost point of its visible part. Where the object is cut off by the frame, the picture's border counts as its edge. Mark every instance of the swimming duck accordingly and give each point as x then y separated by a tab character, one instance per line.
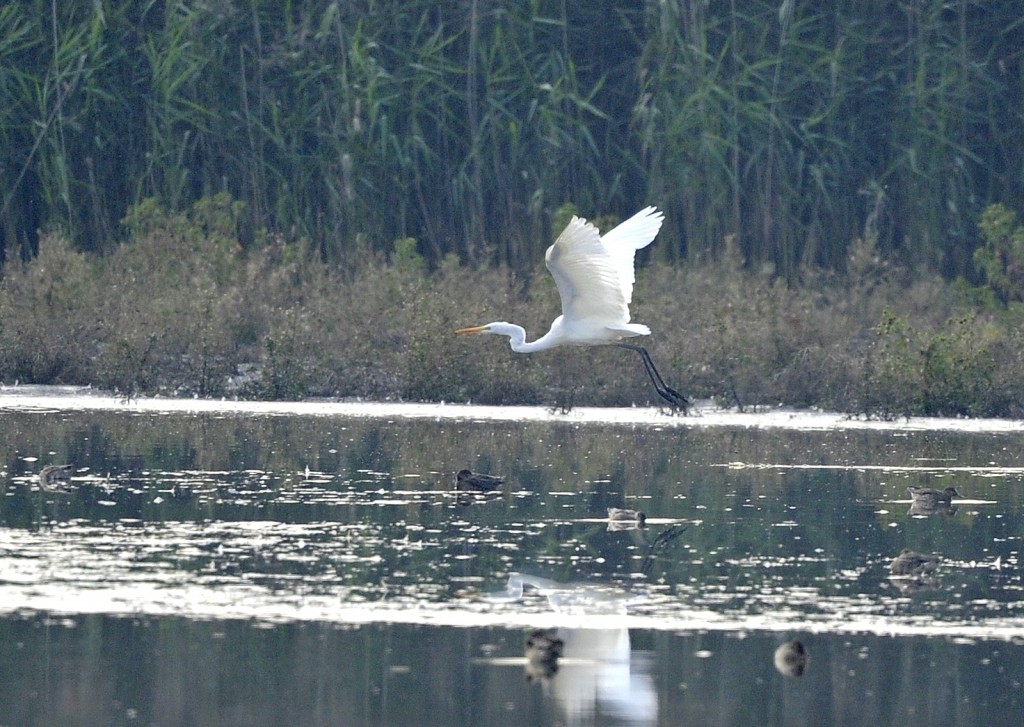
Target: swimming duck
930	497
620	515
791	659
466	479
912	563
55	476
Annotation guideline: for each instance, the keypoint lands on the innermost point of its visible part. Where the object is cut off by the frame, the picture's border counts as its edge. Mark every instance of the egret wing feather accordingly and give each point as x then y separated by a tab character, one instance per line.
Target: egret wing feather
588	277
623	241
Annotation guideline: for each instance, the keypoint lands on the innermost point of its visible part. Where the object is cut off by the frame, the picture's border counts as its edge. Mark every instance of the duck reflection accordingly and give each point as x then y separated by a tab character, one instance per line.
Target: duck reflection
589	671
924	508
465	499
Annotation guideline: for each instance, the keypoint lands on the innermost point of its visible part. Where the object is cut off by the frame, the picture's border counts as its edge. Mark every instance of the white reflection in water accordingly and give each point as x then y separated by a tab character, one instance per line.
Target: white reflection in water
220	529
596	672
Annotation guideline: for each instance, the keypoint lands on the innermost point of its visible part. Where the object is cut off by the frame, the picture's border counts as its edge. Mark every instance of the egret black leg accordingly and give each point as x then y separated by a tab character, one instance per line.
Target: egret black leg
673	397
665	537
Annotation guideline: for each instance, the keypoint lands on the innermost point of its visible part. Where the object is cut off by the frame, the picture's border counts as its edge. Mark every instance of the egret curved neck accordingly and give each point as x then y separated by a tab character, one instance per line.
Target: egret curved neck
520	345
517	337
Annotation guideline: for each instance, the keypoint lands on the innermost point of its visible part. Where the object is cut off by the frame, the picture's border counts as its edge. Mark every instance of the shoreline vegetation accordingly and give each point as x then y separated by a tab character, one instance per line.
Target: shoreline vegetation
183	309
280	201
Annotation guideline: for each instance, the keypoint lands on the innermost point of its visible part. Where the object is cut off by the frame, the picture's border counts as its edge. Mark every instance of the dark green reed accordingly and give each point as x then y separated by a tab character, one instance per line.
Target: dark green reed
789	129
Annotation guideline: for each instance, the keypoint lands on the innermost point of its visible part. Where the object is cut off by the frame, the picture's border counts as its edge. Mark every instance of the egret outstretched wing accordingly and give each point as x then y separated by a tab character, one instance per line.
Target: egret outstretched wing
595	275
623	241
585	274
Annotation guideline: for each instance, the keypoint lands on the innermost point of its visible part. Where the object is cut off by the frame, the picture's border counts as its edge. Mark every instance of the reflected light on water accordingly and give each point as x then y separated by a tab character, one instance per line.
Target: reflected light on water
594	672
309	520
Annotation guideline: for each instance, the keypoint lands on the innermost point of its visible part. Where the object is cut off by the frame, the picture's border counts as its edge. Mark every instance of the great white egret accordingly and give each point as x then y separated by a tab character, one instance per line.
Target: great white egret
467	479
594	275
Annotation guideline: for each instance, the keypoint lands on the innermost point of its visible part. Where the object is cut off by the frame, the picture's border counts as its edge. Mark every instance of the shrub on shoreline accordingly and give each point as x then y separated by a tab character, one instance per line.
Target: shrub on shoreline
182	309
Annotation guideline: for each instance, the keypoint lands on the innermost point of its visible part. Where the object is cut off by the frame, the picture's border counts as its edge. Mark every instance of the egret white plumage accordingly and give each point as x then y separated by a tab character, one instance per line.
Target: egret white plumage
594	275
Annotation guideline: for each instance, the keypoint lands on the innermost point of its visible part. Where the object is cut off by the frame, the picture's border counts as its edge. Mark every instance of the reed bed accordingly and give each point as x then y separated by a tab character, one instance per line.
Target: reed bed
787	130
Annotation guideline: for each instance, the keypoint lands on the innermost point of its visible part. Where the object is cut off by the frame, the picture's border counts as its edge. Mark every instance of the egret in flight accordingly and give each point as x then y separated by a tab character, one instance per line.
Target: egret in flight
594	275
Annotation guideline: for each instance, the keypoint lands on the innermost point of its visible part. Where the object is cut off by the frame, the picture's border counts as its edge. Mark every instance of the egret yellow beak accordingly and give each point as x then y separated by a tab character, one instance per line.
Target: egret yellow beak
472	329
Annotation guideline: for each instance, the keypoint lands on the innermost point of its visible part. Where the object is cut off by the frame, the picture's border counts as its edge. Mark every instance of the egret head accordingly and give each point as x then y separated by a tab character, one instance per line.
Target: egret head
500	328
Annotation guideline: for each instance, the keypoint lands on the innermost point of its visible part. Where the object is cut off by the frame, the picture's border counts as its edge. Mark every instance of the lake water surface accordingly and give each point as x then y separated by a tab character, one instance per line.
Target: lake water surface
312	564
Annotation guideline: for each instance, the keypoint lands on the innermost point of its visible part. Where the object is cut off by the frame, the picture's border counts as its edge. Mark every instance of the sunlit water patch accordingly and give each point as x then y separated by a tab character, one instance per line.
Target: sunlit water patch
349	513
323	550
374	563
66	398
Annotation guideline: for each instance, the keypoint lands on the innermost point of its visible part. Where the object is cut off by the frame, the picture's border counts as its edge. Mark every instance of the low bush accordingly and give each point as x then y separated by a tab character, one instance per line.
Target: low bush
184	309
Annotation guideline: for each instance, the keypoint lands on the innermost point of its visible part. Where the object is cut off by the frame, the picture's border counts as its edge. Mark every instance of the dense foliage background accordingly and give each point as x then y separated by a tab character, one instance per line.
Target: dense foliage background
788	128
307	198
